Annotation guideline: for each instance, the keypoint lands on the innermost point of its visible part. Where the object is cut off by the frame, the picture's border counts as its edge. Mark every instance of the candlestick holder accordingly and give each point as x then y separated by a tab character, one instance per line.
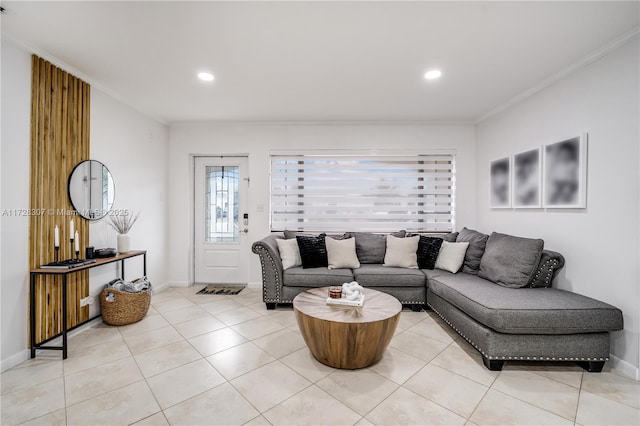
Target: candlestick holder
57	253
77	254
71	246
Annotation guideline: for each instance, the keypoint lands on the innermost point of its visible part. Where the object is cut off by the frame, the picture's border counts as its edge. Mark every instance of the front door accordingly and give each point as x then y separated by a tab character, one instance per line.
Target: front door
221	222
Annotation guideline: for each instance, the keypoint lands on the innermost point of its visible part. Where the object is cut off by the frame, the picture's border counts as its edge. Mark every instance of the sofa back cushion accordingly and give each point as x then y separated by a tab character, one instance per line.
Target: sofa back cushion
293	234
510	261
371	248
477	242
451	237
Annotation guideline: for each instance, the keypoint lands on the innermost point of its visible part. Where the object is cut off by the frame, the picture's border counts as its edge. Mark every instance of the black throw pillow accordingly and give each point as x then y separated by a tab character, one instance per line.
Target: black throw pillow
313	251
428	250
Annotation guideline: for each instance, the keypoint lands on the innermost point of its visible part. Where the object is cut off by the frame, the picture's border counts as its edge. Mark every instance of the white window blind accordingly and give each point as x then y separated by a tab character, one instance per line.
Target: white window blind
362	193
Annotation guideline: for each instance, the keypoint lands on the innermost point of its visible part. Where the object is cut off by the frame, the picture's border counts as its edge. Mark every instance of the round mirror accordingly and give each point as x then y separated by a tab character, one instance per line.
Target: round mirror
91	189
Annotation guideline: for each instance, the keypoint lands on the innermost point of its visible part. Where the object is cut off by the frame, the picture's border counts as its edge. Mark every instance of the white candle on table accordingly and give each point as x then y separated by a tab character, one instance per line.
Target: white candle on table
72	229
56	237
77	242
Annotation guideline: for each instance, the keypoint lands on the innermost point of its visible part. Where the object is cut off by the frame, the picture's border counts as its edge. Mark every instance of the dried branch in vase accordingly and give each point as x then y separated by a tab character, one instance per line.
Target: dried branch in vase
122	224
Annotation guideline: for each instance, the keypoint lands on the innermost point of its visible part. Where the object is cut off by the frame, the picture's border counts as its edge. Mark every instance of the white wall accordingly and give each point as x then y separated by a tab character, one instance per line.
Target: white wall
14	255
600	243
134	147
259	139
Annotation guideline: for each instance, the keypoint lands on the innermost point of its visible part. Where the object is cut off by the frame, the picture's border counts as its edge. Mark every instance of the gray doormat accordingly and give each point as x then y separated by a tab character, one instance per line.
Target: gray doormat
222	289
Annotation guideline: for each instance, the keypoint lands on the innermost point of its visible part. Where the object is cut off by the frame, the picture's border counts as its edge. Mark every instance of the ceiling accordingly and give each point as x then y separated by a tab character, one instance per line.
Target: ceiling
317	61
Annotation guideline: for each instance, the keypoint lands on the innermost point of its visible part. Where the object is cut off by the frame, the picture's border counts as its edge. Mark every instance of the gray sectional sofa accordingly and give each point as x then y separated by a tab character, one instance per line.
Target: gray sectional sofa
515	317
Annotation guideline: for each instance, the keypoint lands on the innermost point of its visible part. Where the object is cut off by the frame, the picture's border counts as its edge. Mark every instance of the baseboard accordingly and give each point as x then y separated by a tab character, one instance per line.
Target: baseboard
624	368
254	285
14	360
177	284
158	288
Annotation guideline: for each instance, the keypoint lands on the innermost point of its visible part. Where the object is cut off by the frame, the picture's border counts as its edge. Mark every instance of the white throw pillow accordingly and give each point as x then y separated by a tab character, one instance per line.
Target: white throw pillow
289	253
451	256
401	252
342	253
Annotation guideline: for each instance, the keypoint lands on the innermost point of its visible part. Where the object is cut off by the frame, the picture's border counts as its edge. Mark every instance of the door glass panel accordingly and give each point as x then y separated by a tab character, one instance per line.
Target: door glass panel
221	204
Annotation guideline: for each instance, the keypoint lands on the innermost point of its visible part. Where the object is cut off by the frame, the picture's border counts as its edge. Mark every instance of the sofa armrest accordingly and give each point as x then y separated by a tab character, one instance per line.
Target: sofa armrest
267	250
550	264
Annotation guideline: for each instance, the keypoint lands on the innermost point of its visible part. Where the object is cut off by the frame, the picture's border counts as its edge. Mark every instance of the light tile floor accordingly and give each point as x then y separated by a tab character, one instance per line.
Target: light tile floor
207	359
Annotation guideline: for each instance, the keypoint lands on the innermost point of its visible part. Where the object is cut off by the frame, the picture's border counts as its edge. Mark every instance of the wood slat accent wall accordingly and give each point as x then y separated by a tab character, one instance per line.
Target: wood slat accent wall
60	108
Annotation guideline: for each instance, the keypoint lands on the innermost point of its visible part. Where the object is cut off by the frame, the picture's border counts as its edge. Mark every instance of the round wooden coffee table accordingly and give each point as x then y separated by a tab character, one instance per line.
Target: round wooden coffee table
345	336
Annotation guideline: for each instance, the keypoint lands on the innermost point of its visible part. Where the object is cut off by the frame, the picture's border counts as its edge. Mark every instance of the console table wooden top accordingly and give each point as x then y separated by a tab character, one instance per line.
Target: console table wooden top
98	262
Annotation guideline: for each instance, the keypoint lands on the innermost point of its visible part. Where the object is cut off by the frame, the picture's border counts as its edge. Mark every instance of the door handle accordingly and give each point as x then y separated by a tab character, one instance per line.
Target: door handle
245	230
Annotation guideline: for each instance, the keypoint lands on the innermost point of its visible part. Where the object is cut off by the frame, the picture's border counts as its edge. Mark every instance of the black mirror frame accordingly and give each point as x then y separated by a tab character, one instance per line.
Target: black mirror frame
105	213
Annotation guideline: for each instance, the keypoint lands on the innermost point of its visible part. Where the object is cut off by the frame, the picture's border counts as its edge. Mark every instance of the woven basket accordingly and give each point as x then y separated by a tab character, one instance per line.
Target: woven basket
126	308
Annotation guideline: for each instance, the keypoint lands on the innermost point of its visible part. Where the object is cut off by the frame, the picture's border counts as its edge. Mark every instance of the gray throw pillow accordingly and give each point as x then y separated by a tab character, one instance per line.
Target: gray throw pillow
477	242
371	248
510	261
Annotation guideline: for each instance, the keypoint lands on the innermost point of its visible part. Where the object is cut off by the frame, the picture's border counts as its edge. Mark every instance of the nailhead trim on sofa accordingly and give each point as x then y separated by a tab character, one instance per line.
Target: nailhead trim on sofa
512	358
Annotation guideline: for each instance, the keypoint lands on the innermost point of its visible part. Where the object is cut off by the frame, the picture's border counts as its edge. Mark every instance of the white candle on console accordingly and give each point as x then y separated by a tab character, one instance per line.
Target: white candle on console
72	229
56	237
77	242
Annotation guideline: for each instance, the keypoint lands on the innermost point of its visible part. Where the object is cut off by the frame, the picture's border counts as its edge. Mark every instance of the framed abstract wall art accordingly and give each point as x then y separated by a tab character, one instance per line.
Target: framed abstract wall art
527	182
565	173
500	183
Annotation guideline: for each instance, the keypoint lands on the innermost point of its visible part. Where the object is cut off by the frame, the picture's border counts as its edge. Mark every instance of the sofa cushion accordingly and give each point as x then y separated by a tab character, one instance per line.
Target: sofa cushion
342	253
451	256
316	277
510	261
428	250
382	276
289	253
525	310
371	248
313	251
477	242
401	252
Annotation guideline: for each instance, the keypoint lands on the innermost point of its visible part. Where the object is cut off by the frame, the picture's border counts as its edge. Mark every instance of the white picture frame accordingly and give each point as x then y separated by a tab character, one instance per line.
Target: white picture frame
527	179
500	183
565	173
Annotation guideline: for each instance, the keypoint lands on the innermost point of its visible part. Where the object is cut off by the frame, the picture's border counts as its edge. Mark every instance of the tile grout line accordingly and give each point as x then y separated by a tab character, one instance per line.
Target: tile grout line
535	406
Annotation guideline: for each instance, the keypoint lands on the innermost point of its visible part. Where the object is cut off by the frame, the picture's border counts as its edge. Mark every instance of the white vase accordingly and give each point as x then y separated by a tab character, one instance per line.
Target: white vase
124	243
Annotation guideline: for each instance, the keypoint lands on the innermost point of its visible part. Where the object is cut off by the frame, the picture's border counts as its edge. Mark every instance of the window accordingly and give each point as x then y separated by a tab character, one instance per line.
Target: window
362	193
221	204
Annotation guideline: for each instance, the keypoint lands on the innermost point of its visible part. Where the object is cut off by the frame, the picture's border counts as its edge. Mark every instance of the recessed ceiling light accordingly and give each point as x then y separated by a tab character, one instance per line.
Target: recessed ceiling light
205	76
433	74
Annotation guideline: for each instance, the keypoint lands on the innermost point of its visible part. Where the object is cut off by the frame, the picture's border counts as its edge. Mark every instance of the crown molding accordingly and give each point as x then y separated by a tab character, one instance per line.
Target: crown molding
598	54
77	73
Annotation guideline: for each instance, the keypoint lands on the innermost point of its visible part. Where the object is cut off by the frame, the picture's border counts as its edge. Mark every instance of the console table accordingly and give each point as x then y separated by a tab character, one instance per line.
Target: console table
64	273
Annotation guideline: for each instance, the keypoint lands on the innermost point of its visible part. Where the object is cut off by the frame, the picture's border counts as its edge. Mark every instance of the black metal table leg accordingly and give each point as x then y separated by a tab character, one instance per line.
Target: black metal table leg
32	315
64	316
144	264
122	268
